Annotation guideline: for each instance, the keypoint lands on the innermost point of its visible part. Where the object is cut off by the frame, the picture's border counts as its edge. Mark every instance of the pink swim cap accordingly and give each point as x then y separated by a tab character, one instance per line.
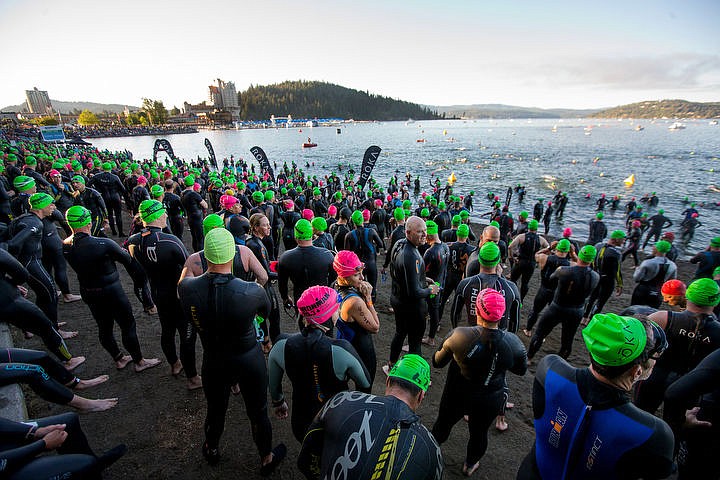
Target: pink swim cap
227	201
142	180
490	305
332	210
636	223
366	214
695	215
567	232
317	304
196	187
54	173
308	214
378	202
347	263
289	205
389	198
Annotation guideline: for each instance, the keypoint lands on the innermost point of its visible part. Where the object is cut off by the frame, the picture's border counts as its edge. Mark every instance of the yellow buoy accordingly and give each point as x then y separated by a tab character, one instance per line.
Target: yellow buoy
444	132
630	181
452	179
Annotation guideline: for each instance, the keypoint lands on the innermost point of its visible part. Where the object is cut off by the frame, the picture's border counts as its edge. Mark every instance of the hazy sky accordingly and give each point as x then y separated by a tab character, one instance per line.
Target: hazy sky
530	53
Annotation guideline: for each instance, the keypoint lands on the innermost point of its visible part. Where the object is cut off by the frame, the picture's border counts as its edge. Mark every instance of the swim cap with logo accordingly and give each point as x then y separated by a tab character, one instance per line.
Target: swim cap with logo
212	221
663	246
533	225
38	201
587	253
617	235
317	304
78	216
107	166
441	205
347	263
156	191
319	224
703	292
463	231
406	204
490	305
432	227
489	255
30	160
456	220
151	210
414	369
219	246
23	183
303	230
563	245
332	210
613	340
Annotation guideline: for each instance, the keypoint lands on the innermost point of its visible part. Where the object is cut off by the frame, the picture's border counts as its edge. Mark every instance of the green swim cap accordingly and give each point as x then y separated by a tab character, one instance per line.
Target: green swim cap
269	195
464	214
107	166
414	369
23	183
303	229
407	204
495	224
357	218
424	212
38	201
283	191
613	340
617	235
715	242
663	246
156	191
258	196
716	272
489	255
241	186
523	214
399	214
212	221
78	216
563	245
456	220
587	253
316	191
79	179
338	195
319	224
433	201
189	180
30	160
441	205
463	231
703	292
151	210
600	215
432	227
219	246
533	225
661	211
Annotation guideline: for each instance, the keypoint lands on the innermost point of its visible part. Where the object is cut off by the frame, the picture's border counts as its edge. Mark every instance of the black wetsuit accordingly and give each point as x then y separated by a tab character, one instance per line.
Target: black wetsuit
163	256
396	235
657	222
56	370
546	292
325	240
138	194
339	232
650	277
466	295
473	264
289	220
366	242
475	384
93	201
597	232
93	259
524	266
23	313
708	261
587	429
318	368
379	219
409	291
608	264
436	260
111	188
25	244
457	262
358	436
5	212
175	212
258	248
574	286
691	337
191	204
52	256
222	308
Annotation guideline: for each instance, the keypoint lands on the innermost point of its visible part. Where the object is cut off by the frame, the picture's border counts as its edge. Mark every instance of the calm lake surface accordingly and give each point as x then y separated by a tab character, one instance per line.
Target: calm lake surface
578	156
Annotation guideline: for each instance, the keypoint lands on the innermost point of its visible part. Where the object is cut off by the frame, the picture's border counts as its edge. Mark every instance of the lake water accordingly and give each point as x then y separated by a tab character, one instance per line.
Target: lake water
576	156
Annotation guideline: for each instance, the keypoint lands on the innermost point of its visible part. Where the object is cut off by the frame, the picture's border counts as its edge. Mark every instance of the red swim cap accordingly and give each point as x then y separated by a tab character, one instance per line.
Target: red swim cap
490	305
695	215
567	232
347	263
674	287
669	236
636	223
317	304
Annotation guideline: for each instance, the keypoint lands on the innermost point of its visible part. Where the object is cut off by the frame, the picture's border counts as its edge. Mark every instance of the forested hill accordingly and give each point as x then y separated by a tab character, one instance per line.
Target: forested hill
663	109
304	99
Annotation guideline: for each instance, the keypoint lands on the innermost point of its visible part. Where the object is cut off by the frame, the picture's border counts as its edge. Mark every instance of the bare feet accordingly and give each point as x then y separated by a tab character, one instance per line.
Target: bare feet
73	363
61	324
123	362
151	311
406	348
69	298
194	383
430	342
509	405
87	405
584	321
386	369
28	335
65	335
85	384
528	333
235	389
146	363
176	368
500	423
467	471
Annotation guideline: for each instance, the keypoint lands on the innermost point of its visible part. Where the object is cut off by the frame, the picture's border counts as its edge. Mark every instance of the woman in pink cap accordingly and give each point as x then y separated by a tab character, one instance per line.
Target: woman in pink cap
358	318
318	366
476	379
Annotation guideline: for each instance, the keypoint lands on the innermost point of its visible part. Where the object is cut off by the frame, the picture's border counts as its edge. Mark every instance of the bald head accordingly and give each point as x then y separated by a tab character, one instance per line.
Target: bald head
415	230
491	233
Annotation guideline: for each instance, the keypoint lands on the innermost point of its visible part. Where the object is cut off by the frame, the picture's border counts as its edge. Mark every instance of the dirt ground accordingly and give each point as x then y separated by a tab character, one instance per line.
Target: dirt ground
162	422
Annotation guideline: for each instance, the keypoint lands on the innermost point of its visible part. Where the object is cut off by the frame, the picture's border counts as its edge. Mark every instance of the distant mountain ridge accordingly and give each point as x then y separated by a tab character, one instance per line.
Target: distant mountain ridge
68	107
662	109
499	111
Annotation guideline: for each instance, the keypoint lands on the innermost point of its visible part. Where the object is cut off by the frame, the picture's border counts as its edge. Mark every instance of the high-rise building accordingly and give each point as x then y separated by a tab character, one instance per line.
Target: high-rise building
223	96
38	101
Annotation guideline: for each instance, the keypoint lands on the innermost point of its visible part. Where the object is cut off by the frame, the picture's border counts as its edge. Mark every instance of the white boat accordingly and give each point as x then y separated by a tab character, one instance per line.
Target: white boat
713	122
677	126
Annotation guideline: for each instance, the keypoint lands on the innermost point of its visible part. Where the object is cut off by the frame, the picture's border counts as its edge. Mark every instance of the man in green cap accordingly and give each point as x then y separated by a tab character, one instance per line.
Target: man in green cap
693	334
650	276
29	170
574	285
111	189
609	265
436	259
586	414
94	261
93	201
597	229
657	223
450	235
195	208
24	186
708	260
527	245
322	238
459	254
410	451
396	235
162	256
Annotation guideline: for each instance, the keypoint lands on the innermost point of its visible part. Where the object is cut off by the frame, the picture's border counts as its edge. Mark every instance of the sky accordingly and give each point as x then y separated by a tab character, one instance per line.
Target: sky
546	54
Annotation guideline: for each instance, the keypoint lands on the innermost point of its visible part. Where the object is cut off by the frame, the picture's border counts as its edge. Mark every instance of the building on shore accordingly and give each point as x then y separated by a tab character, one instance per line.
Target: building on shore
38	101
